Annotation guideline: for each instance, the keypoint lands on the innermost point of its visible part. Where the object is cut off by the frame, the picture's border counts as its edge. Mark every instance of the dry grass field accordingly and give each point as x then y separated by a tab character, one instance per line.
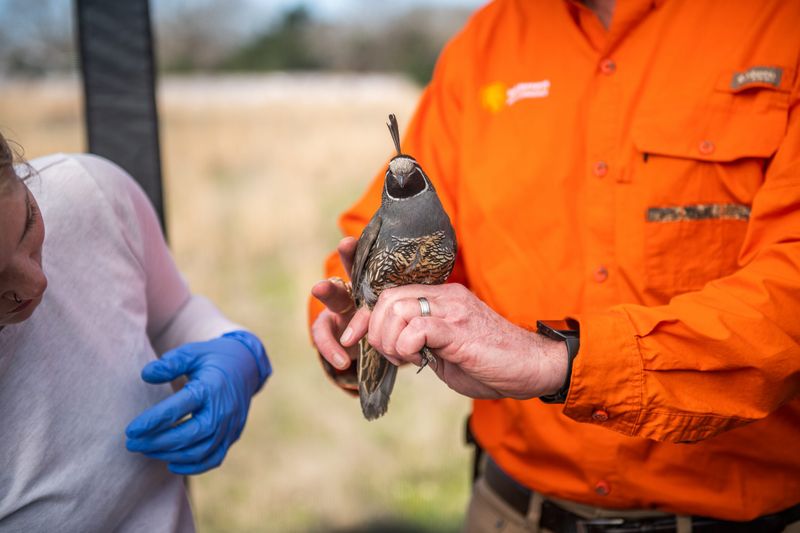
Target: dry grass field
256	170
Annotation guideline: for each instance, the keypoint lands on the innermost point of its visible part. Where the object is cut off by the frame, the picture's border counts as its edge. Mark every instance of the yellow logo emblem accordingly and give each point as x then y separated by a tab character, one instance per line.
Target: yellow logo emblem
493	97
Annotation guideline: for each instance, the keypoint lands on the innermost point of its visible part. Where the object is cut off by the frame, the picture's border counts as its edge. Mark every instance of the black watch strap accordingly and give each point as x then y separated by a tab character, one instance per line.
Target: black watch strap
569	332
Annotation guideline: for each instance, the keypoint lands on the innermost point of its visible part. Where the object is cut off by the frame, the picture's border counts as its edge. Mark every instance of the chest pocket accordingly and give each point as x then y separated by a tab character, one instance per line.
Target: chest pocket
698	169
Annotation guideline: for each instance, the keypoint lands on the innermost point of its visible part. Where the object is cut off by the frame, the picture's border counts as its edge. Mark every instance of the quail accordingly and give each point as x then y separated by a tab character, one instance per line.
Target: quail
408	240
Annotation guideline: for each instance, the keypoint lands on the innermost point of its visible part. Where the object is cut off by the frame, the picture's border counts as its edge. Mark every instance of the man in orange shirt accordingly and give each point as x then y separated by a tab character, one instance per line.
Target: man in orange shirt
635	168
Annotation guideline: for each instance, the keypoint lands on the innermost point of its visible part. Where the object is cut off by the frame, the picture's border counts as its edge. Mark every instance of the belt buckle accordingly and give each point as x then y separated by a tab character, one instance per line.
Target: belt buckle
588	525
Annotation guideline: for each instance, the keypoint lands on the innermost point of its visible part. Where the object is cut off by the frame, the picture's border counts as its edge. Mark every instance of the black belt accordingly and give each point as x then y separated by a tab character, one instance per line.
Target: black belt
556	518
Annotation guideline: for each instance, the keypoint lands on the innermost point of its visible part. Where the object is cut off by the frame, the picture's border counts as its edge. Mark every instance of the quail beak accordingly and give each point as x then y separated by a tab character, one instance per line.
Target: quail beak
401	179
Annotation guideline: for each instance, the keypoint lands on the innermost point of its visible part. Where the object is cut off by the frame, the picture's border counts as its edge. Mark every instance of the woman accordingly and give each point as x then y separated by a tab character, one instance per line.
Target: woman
82	311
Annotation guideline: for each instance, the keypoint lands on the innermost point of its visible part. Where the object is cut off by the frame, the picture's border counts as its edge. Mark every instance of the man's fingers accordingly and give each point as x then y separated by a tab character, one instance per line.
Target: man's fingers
387	321
357	327
347	251
394	361
435	333
323	333
333	295
438	297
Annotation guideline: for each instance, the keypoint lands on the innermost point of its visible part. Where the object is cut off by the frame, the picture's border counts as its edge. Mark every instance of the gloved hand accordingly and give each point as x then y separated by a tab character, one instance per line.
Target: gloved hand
224	373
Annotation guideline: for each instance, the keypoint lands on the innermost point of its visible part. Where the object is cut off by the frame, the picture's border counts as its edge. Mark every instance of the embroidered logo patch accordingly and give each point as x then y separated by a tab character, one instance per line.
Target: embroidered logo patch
530	89
496	96
757	76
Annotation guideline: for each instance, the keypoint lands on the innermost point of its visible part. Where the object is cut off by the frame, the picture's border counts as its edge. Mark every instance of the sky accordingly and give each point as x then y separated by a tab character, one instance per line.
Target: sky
335	9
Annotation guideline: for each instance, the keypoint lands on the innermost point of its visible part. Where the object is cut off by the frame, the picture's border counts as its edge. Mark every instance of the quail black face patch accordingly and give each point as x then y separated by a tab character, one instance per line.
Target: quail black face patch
404	186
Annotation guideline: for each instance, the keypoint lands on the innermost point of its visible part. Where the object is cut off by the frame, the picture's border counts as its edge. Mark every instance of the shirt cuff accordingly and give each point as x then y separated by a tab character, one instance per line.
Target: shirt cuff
607	376
609	386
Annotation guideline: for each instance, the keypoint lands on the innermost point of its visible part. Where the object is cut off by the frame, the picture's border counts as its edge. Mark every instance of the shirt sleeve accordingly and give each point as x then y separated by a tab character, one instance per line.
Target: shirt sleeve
714	359
431	137
175	316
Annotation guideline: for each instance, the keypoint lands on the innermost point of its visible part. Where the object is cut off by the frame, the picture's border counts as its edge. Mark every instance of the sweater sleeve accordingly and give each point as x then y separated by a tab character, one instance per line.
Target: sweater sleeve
175	316
713	359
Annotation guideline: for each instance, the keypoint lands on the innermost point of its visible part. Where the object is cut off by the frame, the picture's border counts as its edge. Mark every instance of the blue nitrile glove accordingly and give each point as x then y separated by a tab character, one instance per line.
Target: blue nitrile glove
224	373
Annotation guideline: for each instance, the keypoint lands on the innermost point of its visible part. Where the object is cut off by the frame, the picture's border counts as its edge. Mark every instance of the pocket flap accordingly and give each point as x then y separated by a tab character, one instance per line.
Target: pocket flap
721	132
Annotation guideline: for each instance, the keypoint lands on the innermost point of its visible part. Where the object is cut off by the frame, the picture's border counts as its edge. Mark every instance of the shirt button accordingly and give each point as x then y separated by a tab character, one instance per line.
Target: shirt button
600	415
706	147
601	274
608	67
600	169
602	488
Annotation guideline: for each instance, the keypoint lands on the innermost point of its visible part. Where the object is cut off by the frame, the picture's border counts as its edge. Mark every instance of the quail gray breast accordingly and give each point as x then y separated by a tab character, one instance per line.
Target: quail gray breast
408	240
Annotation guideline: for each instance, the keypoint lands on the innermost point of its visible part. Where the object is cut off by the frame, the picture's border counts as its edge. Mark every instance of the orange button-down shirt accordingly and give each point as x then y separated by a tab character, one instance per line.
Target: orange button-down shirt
645	180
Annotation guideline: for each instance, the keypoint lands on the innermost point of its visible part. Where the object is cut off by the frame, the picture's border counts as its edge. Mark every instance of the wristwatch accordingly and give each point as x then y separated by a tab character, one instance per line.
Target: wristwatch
561	330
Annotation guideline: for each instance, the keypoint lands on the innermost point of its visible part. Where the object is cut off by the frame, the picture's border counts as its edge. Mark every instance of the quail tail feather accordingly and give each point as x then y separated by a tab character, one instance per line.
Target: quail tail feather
375	382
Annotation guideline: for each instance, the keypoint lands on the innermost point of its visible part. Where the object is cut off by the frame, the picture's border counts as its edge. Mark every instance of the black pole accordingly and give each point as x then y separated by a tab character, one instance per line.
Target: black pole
118	66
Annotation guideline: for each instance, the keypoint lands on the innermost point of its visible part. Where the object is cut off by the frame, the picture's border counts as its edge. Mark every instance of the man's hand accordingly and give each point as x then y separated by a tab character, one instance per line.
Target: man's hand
482	355
224	373
339	309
